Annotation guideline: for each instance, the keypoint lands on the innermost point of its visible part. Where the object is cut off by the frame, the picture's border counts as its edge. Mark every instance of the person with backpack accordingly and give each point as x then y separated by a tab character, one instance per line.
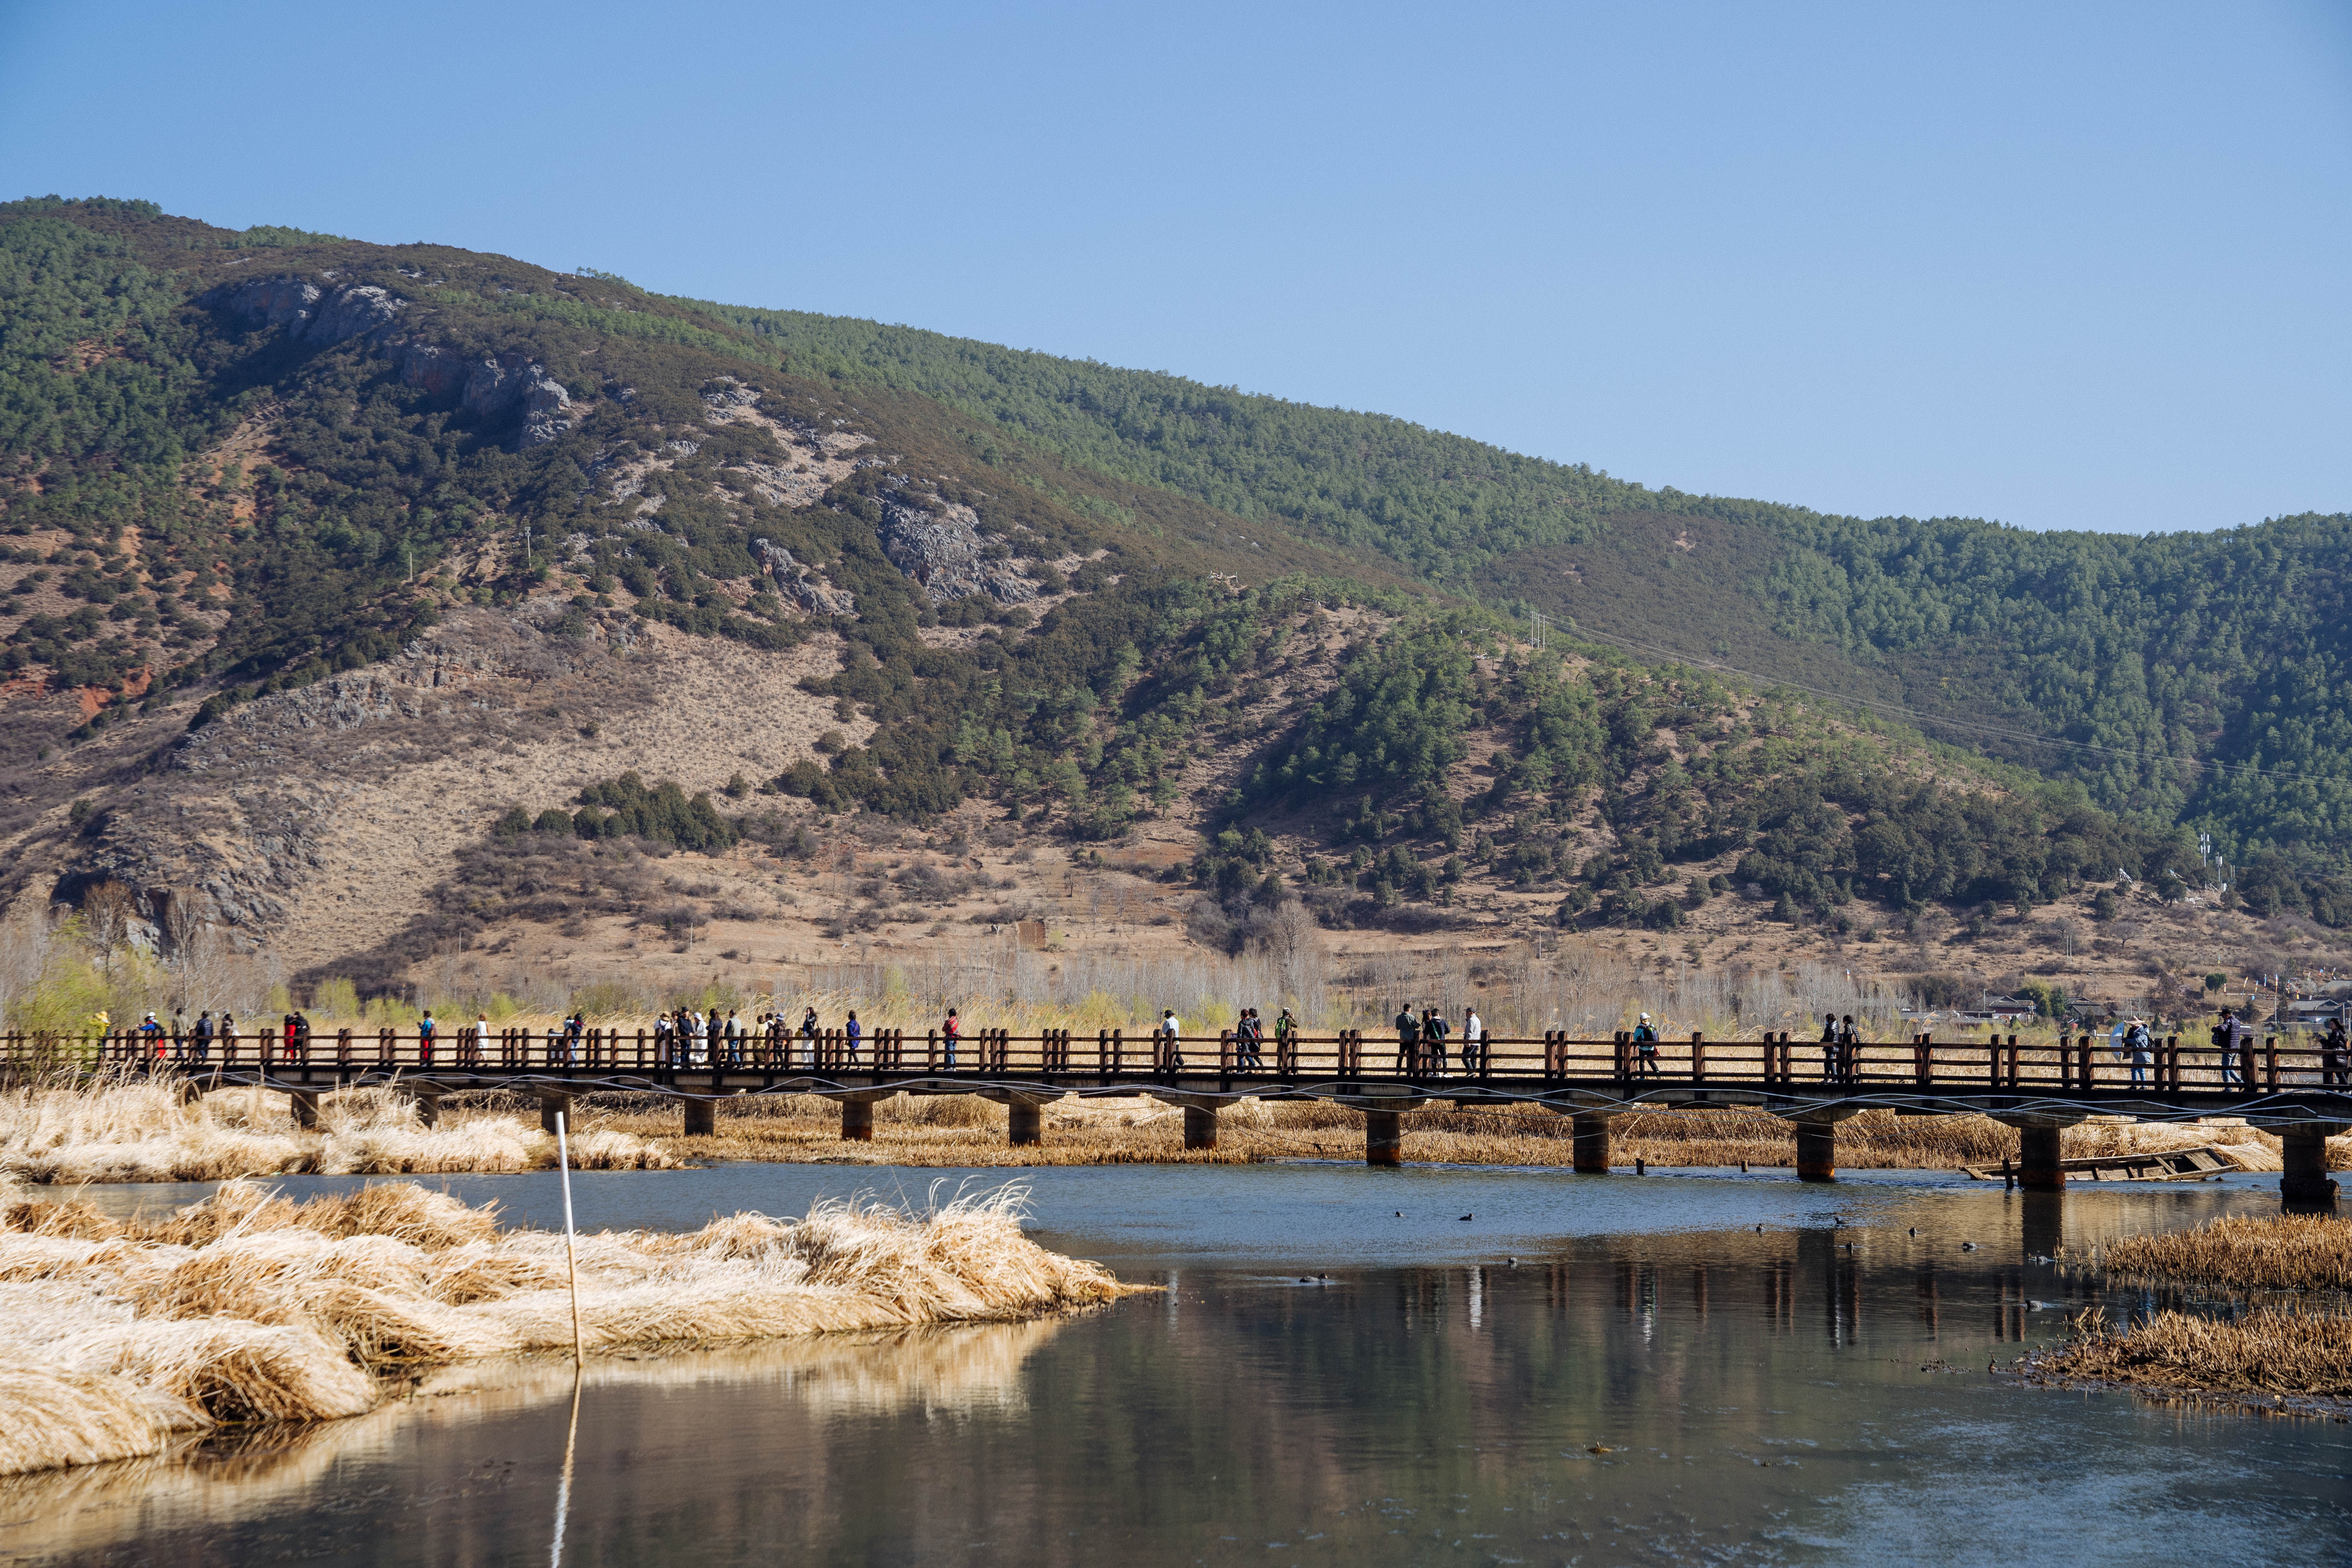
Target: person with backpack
201	1038
1433	1030
2229	1038
1250	1039
2136	1045
1285	1031
1645	1047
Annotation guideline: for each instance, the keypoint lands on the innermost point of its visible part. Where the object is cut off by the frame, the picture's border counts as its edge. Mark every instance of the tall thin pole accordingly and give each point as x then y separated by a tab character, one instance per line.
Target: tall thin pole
571	1256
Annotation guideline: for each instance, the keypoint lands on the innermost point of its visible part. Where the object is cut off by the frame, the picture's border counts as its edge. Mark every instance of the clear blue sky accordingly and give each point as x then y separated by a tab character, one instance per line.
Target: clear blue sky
2060	266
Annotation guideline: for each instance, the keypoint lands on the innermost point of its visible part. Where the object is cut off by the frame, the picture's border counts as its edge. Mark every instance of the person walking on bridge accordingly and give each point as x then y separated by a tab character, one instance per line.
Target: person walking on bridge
1849	1049
2230	1038
951	1031
1433	1030
851	1034
1285	1031
200	1038
808	1036
1249	1040
1645	1047
2333	1046
1171	1036
425	1027
1829	1047
1474	1043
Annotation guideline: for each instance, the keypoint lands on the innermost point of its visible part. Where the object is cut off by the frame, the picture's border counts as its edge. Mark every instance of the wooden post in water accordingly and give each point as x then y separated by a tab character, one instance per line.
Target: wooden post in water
1817	1151
2038	1170
2303	1146
1588	1133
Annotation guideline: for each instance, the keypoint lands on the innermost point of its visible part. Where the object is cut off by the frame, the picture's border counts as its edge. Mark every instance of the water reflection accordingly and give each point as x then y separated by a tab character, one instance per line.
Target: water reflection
1623	1393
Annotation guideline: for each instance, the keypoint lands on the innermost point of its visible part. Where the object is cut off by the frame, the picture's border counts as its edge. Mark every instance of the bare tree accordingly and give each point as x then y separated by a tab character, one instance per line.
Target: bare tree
107	912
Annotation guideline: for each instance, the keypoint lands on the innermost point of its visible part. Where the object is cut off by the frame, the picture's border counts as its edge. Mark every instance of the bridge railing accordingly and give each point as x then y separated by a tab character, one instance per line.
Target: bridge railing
2084	1062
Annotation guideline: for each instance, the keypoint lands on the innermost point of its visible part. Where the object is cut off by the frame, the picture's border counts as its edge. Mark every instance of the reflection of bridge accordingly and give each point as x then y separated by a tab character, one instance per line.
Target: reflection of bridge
2301	1094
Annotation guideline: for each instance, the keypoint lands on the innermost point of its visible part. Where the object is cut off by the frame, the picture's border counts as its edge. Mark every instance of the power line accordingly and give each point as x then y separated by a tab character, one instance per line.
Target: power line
1896	710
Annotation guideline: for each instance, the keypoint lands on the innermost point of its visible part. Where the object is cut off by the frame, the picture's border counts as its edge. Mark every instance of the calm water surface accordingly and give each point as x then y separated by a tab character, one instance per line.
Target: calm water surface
1345	1366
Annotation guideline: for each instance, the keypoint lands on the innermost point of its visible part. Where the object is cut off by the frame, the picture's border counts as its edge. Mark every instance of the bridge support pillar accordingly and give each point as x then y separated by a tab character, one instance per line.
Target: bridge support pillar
1588	1132
2303	1147
858	1120
304	1103
428	1109
1817	1151
701	1118
1383	1138
1200	1127
1024	1122
551	1104
2038	1170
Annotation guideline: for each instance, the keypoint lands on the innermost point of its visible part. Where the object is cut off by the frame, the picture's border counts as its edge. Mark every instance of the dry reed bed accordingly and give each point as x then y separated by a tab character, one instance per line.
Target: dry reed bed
129	1129
2269	1350
966	1131
244	1474
2244	1252
116	1336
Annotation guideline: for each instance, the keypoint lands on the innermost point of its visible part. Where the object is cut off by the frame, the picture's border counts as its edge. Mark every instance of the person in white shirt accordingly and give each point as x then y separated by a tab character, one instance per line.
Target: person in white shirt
1474	1041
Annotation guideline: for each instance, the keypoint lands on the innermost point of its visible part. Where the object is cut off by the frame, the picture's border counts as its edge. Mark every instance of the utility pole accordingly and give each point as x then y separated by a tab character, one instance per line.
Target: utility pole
526	547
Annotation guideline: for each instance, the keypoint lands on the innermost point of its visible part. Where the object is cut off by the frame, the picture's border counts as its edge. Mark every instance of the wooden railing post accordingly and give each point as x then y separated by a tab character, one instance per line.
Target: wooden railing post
1698	1056
2270	1063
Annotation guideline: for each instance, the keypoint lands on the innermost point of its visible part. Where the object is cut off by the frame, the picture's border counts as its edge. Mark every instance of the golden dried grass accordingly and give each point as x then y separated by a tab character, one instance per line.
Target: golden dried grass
967	1130
2244	1252
247	1308
2271	1350
129	1129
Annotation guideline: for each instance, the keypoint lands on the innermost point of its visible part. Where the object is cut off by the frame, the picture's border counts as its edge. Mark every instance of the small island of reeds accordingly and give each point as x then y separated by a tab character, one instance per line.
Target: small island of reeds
120	1338
2293	1351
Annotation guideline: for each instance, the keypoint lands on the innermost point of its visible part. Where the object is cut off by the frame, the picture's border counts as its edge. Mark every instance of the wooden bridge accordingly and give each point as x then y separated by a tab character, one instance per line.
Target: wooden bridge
2302	1093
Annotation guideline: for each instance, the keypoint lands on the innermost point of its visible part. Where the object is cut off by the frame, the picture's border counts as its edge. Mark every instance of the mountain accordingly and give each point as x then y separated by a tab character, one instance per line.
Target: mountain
399	610
2190	678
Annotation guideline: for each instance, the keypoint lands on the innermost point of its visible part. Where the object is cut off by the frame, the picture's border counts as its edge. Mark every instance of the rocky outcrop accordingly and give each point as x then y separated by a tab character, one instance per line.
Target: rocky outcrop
799	586
488	388
313	314
514	381
943	550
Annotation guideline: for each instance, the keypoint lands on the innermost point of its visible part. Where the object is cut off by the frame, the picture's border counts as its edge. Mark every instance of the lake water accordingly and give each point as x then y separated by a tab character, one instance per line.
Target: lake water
1342	1369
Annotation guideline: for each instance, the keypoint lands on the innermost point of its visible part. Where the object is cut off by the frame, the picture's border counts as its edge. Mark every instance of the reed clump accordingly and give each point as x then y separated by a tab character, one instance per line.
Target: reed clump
129	1127
115	1336
2267	1351
2244	1252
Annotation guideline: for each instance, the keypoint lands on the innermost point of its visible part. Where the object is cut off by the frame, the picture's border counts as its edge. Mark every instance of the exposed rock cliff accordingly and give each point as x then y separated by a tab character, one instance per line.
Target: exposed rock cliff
942	549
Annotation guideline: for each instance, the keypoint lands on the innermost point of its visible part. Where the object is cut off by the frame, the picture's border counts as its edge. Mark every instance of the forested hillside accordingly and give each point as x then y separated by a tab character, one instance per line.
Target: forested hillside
2196	678
237	464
